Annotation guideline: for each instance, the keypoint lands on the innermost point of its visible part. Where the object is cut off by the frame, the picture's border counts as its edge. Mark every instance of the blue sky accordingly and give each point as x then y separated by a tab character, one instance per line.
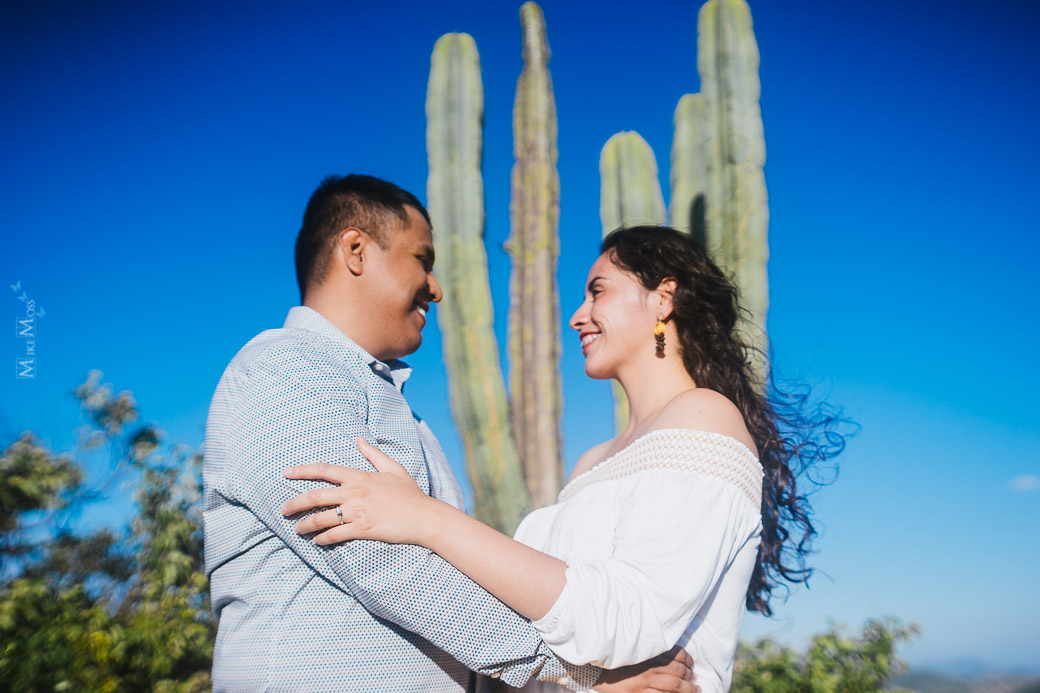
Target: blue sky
157	159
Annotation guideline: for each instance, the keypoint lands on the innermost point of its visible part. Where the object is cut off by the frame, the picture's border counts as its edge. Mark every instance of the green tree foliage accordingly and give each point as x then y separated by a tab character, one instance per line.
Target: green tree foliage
33	482
107	611
834	662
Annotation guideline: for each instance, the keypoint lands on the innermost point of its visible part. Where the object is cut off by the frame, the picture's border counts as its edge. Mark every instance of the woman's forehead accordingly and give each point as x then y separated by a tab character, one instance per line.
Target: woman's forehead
602	266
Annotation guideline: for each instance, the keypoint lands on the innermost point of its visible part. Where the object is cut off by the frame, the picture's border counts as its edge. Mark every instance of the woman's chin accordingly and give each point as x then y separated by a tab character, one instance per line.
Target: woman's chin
598	373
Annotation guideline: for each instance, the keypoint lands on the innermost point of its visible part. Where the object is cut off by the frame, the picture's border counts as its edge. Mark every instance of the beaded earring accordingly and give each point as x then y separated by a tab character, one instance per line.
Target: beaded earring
659	337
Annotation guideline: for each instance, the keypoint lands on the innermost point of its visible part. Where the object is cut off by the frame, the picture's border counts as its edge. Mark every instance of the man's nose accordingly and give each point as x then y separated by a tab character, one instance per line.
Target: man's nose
434	287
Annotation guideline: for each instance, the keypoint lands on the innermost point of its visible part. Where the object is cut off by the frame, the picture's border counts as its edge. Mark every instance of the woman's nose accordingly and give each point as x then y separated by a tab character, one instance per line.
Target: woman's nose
579	318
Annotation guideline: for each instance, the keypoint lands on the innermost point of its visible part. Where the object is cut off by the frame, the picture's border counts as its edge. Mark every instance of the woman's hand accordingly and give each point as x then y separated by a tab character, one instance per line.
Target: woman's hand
671	671
388	506
385	505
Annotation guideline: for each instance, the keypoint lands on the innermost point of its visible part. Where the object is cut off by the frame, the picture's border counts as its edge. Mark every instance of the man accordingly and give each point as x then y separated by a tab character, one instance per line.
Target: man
360	616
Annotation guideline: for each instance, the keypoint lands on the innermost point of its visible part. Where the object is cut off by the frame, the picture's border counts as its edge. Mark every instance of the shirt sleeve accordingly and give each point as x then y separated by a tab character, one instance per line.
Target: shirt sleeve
284	417
676	535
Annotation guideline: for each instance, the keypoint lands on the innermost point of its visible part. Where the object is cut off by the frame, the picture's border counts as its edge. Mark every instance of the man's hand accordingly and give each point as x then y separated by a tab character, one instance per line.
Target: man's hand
670	672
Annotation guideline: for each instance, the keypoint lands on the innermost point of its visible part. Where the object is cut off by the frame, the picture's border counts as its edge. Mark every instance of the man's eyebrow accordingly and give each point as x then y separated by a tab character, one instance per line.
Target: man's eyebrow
429	252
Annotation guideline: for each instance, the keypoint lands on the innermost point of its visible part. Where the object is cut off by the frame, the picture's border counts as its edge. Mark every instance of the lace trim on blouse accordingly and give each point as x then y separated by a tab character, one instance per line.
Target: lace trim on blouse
679	449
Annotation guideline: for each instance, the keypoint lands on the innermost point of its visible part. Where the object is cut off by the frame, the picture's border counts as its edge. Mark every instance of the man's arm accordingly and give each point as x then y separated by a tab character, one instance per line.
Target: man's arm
285	416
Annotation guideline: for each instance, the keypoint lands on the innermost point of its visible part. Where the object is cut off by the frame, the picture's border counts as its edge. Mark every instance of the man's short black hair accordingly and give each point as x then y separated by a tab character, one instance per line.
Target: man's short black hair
341	202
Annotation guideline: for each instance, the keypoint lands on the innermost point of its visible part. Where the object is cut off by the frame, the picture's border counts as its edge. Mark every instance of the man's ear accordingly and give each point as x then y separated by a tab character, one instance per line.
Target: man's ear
665	292
353	243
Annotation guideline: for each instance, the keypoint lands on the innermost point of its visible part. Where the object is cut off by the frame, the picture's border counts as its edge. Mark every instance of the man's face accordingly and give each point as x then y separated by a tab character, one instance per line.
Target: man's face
402	286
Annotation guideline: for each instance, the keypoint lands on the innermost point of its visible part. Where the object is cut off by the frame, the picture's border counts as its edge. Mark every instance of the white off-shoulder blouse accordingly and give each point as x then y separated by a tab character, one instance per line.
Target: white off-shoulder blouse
660	541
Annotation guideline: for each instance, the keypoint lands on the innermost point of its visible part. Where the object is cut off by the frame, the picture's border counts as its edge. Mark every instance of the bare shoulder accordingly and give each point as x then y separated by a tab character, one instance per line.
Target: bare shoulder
702	409
591	457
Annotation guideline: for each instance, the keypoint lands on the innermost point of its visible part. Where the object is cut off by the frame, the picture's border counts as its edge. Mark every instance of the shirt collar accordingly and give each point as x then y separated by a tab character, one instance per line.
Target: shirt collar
394	371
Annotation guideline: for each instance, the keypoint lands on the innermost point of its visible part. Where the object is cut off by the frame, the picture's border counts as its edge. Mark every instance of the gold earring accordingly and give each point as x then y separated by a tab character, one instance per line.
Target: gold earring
659	337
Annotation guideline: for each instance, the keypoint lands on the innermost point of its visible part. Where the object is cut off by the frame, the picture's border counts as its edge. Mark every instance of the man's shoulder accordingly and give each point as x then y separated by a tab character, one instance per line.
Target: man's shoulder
292	354
278	346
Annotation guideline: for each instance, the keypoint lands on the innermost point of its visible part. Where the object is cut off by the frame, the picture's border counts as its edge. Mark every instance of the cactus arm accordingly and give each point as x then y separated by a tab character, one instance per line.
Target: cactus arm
630	194
691	147
630	191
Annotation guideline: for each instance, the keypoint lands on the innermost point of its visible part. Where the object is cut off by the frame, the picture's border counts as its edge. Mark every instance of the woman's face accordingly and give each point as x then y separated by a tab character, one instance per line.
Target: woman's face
616	320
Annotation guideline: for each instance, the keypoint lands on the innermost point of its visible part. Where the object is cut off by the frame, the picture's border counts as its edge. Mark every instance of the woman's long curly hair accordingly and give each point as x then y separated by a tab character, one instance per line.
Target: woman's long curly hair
791	439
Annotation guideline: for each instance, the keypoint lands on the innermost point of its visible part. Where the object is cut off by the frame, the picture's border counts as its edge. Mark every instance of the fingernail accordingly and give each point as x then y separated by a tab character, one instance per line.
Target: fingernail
289	471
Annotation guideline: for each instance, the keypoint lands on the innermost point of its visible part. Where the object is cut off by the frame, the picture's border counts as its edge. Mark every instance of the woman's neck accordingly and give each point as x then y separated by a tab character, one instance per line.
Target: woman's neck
650	387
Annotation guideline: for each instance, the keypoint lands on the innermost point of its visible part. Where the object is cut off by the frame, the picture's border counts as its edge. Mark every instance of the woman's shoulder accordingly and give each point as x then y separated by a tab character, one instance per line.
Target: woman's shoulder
590	458
701	409
678	460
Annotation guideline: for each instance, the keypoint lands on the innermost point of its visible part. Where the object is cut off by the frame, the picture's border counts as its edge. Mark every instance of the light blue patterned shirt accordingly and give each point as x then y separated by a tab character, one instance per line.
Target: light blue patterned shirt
359	616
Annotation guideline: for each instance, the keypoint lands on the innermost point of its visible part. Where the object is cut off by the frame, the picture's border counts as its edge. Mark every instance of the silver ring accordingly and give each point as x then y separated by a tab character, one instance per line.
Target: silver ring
339	513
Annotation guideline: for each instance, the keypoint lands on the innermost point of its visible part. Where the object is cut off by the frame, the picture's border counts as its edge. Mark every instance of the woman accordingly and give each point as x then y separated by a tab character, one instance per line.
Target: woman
664	534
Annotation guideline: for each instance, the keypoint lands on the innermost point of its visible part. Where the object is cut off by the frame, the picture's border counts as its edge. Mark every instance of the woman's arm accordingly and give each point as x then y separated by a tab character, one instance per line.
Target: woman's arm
390	507
675	539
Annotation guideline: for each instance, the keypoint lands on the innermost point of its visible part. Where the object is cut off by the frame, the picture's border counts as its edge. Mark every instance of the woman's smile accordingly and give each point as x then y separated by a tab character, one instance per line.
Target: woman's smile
588	338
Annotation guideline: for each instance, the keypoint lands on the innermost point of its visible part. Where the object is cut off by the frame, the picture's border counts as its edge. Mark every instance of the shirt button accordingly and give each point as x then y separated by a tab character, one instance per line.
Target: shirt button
566	680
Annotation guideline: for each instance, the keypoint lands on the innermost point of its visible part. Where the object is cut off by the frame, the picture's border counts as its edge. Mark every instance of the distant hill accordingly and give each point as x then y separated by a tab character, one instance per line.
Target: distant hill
931	682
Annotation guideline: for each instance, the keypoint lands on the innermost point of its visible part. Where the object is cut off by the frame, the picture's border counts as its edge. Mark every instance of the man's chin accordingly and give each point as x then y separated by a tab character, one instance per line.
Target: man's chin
400	351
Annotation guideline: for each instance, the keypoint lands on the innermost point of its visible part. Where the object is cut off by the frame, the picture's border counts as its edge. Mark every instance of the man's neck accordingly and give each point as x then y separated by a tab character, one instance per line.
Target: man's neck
343	319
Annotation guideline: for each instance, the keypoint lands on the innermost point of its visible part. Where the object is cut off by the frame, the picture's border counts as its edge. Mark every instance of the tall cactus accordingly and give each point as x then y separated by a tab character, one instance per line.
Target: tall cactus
718	153
630	194
737	215
455	195
534	320
718	193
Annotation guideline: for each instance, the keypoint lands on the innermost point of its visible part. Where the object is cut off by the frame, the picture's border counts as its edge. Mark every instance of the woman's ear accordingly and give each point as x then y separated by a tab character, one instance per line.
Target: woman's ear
351	249
665	292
